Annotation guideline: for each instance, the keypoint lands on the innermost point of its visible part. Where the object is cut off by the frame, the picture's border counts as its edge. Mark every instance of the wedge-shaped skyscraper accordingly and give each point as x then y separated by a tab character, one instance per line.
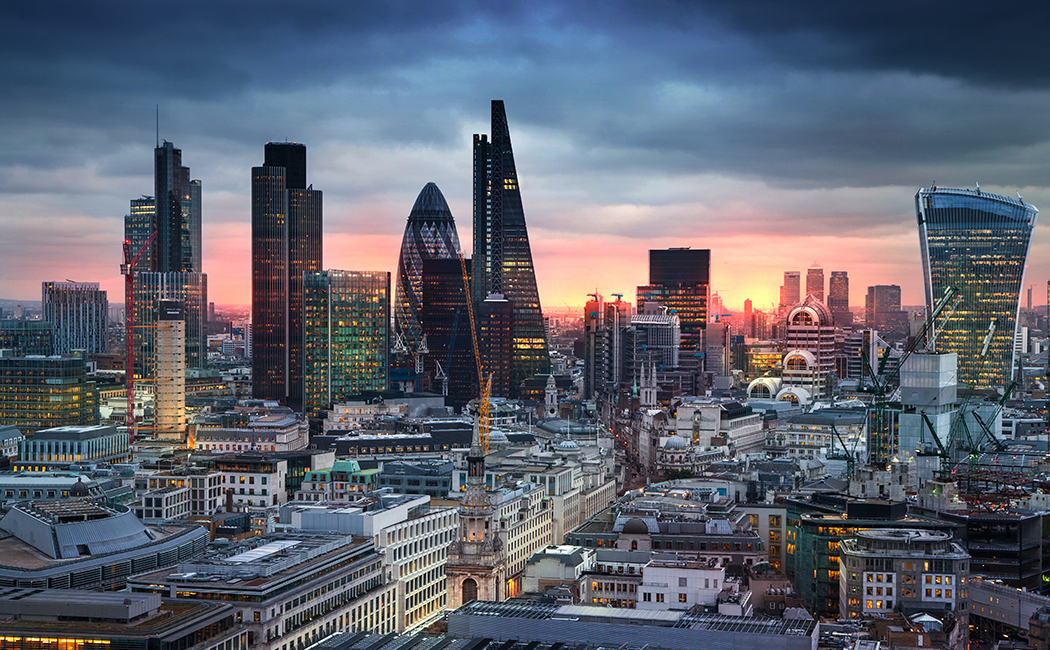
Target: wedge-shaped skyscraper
977	242
502	255
429	234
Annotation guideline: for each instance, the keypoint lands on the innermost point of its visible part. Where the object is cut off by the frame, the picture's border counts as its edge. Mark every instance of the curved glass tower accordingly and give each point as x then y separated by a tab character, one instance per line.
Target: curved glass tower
979	243
429	234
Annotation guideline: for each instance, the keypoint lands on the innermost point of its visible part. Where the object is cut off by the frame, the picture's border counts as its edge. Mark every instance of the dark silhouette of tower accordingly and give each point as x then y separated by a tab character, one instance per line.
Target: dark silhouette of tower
286	243
679	279
503	270
446	321
178	213
838	299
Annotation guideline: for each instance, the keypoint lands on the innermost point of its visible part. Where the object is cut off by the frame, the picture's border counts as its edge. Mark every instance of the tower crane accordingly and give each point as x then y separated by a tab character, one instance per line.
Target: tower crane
127	269
485	386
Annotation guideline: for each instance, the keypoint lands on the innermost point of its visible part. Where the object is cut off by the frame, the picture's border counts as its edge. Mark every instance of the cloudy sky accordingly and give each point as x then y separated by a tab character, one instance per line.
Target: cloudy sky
777	134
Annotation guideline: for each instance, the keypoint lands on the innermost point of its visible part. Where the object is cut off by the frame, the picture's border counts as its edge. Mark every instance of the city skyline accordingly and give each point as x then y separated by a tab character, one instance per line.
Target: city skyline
742	136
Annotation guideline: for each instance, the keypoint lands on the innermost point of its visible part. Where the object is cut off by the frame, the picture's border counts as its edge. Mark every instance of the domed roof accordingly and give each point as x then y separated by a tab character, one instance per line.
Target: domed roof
811	312
497	436
676	443
568	445
430	205
79	489
635	526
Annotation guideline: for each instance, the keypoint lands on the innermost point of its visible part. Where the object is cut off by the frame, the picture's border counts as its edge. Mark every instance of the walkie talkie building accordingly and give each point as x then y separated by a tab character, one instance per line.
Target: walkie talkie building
977	242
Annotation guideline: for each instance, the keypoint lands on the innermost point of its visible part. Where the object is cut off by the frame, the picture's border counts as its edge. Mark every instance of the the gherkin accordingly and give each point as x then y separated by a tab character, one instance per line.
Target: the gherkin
429	234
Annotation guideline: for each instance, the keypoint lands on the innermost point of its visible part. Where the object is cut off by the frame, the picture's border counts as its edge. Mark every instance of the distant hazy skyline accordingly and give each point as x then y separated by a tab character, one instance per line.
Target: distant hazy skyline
775	134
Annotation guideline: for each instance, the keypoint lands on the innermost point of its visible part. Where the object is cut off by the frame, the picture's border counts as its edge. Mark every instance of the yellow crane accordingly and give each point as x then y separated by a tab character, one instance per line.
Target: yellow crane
485	384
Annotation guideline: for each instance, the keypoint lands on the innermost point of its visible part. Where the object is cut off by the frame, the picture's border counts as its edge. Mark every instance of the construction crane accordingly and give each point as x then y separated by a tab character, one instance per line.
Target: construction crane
881	381
421	353
127	269
996	442
485	386
851	458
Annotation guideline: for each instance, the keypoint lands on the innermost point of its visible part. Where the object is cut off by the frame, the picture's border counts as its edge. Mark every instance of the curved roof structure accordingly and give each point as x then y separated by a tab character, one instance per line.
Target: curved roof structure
429	234
811	311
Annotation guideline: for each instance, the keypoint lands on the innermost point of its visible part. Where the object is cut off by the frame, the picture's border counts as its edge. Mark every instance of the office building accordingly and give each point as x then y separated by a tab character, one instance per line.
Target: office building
430	234
251	430
346	336
809	363
39	392
80	542
78	313
39	618
169	390
26	337
502	255
139	224
446	321
679	279
188	289
496	343
791	290
904	570
177	220
883	313
815	282
838	299
290	589
286	244
979	243
57	447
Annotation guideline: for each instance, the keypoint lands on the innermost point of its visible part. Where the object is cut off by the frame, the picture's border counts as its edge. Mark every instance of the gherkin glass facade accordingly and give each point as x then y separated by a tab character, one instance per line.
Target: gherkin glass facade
977	242
429	234
502	254
346	343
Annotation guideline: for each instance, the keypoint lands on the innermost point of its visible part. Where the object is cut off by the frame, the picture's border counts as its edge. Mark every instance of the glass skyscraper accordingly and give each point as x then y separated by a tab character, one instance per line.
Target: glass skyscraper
429	234
79	315
188	289
503	258
346	346
977	242
286	243
679	279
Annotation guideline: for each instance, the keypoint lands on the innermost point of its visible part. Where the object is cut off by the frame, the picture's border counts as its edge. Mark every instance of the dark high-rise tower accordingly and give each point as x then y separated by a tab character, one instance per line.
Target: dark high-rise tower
502	255
286	243
430	234
838	299
178	213
815	282
679	279
446	321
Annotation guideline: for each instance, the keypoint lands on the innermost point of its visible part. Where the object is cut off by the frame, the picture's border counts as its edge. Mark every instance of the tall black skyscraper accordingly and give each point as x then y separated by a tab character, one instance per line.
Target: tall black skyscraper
178	213
679	279
170	269
502	255
838	299
286	243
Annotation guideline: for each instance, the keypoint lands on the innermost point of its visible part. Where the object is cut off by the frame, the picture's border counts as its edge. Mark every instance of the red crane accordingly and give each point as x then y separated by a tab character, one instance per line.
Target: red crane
127	269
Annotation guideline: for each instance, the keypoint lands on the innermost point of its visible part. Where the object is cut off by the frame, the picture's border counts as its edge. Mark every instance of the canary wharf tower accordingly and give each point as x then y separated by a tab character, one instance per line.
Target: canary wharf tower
977	242
429	234
502	255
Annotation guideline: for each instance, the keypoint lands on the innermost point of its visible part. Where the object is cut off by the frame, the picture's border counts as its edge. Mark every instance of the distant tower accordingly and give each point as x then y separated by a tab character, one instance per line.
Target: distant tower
791	290
550	398
78	313
679	279
170	385
647	388
815	282
477	562
749	326
838	299
286	243
979	243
